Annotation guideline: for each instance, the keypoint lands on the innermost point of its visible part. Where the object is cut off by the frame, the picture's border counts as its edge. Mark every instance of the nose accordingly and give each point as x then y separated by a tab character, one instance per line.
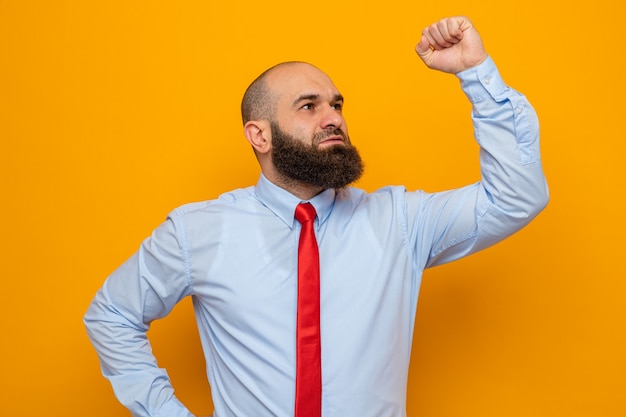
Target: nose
331	117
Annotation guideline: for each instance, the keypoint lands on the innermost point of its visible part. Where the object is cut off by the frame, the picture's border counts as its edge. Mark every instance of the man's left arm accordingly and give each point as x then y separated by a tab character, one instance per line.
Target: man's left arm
513	189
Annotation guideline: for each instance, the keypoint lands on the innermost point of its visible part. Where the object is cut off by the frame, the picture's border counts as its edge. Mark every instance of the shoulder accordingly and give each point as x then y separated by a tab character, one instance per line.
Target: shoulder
226	201
357	196
389	199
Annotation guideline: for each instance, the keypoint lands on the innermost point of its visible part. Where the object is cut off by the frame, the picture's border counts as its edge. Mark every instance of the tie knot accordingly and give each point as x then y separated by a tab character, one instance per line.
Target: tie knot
305	212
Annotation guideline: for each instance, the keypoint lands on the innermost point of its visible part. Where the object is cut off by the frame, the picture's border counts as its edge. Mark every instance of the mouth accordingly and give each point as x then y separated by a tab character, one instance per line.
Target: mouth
335	138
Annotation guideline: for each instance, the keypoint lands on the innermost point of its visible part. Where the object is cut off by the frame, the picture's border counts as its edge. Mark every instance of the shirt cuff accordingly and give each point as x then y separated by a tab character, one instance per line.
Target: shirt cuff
483	82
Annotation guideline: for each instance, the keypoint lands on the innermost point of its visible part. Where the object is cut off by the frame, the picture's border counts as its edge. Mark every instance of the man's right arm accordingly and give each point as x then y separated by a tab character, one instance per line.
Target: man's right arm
144	288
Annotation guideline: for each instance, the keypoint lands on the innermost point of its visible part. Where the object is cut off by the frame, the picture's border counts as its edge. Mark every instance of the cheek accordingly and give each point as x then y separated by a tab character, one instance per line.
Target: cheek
301	132
300	128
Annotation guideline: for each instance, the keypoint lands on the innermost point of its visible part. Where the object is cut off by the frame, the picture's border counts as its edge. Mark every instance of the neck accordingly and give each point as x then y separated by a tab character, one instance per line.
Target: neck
300	189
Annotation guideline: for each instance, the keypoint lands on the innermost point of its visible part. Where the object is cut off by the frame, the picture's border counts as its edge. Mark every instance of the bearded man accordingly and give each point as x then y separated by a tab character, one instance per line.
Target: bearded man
313	316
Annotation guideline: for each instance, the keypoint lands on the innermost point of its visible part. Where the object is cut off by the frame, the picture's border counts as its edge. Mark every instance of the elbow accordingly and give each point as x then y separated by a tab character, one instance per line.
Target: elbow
540	200
518	206
91	320
533	204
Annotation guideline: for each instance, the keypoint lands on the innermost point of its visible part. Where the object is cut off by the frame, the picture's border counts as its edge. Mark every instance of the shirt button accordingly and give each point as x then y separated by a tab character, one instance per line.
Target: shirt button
487	80
518	110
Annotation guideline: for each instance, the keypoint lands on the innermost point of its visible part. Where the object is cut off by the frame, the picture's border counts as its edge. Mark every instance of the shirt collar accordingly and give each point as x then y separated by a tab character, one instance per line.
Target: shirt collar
282	203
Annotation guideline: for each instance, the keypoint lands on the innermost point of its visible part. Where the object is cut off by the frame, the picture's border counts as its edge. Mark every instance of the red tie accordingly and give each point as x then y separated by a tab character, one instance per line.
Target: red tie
308	345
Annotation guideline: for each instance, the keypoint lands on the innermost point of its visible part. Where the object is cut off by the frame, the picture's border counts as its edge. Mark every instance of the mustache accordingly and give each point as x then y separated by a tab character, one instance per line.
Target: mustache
333	131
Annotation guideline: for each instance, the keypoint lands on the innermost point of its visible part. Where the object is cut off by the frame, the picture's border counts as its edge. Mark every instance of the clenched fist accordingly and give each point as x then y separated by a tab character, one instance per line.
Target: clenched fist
451	45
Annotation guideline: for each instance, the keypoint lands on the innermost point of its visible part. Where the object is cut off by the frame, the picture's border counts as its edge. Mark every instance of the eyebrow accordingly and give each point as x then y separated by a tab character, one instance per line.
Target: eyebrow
314	97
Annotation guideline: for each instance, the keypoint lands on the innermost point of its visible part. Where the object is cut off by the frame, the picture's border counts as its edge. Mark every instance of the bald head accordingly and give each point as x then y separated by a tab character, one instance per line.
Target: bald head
259	100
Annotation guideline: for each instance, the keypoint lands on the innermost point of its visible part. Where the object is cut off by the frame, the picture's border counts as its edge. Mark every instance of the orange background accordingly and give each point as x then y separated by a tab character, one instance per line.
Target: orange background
113	113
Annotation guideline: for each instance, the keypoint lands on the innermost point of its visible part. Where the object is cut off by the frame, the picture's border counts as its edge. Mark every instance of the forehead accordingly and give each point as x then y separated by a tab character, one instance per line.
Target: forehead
290	81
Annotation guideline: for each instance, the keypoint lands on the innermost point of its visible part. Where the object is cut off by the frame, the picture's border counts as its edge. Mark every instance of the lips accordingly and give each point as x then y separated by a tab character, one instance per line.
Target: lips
333	139
337	136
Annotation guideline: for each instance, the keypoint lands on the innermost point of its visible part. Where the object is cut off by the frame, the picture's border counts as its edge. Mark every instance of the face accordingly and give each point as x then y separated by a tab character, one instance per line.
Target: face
308	105
310	143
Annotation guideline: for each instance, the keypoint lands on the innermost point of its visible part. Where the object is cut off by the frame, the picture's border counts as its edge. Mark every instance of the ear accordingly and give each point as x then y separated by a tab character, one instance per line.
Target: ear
259	135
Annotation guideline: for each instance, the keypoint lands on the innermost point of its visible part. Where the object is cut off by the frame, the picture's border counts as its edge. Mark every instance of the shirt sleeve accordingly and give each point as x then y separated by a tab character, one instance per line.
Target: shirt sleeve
144	288
512	190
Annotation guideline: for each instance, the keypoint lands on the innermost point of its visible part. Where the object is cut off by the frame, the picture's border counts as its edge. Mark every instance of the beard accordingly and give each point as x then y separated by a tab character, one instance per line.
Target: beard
332	167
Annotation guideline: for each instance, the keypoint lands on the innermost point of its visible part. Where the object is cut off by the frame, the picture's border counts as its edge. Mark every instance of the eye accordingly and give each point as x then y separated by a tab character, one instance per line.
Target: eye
307	106
337	106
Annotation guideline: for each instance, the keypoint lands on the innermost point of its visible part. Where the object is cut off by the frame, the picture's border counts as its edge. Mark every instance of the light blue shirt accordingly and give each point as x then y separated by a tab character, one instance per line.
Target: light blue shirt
237	257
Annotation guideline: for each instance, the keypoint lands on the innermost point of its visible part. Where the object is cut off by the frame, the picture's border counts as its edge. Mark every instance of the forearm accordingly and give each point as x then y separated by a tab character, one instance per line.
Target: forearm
507	130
